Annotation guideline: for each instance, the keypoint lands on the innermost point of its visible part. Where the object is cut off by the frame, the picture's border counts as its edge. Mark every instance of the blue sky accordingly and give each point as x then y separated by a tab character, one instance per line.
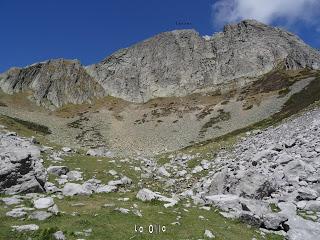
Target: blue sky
37	30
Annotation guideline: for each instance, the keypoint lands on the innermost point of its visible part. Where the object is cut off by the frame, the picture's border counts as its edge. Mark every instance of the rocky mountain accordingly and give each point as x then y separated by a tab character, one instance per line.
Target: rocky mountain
176	63
182	62
54	82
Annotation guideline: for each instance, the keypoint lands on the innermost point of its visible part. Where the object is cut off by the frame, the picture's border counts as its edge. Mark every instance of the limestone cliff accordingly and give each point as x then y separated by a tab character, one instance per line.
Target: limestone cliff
52	83
182	62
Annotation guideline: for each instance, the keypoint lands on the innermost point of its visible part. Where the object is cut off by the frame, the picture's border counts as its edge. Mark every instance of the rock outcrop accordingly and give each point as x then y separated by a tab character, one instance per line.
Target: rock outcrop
278	166
20	168
182	62
52	83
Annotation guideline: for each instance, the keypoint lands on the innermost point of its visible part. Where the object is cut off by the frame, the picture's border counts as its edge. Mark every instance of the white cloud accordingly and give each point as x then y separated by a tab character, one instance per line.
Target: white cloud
267	11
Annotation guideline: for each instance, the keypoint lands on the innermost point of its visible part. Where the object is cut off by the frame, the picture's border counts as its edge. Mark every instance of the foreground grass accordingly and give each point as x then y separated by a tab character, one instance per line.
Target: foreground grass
80	213
106	223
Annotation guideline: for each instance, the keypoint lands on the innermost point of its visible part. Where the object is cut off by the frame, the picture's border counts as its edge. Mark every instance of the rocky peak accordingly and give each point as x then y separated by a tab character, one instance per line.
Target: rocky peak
247	25
181	62
53	83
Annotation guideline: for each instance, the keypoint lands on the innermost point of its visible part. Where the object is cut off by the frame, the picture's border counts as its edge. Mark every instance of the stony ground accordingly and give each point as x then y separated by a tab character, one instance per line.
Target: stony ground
87	195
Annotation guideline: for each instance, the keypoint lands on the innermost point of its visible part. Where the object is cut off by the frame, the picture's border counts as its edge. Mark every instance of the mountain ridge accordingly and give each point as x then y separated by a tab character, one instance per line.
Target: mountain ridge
170	64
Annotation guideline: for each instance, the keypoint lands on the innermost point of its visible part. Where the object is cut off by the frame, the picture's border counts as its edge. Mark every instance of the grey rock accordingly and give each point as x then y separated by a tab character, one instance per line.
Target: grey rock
99	152
305	193
42	203
163	172
146	195
25	228
14	200
16	213
284	158
40	215
71	189
312	206
274	221
66	149
123	181
21	170
209	234
74	176
50	187
123	210
106	189
216	184
59	235
91	185
53	83
225	202
197	169
250	218
299	228
58	170
181	173
112	172
137	212
54	209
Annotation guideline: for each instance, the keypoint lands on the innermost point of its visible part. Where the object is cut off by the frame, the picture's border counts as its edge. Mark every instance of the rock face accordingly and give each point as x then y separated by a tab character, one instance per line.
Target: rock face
181	62
20	168
55	82
176	63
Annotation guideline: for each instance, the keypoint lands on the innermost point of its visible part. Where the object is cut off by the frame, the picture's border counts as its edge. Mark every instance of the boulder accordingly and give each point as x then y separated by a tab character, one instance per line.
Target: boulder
250	218
274	221
16	213
59	235
71	189
100	152
40	215
224	202
21	170
305	193
25	228
58	170
112	172
197	169
14	200
42	203
163	172
146	195
123	181
74	176
106	189
209	234
312	206
66	149
50	187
